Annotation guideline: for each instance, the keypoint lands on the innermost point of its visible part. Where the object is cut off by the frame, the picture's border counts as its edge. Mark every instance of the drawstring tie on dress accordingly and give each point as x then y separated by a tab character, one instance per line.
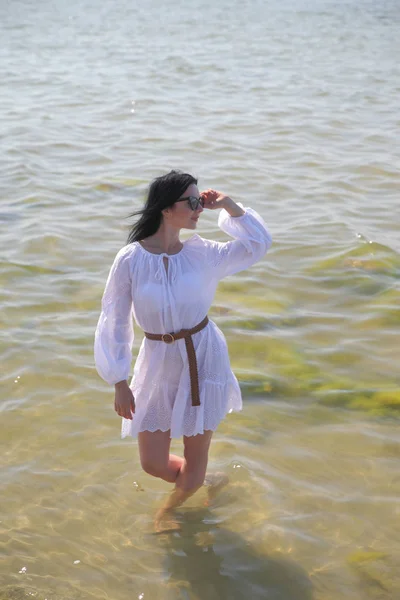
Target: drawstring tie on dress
185	334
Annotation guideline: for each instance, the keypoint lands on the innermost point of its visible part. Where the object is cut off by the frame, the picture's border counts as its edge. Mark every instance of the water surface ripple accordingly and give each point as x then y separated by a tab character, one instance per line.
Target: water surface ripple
292	108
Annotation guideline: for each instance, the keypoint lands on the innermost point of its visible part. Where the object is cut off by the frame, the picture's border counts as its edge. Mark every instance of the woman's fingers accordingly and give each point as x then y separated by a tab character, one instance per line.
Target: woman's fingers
211	197
209	193
126	414
123	411
124	404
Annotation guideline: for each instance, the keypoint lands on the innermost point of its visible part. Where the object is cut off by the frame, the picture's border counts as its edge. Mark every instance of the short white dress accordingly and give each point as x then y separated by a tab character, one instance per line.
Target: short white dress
164	300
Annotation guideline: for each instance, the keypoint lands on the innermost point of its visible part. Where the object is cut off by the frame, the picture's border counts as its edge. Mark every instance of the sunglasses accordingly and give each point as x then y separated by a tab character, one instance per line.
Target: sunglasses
194	202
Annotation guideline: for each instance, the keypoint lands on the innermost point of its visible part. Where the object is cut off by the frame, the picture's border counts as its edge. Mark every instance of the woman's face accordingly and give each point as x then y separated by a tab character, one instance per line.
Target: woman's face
181	215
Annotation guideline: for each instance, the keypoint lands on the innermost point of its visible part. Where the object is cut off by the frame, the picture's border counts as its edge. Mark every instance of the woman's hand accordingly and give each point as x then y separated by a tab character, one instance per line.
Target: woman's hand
213	199
124	403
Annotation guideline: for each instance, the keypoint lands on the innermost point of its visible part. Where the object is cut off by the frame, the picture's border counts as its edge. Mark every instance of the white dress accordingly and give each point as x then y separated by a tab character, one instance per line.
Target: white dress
166	300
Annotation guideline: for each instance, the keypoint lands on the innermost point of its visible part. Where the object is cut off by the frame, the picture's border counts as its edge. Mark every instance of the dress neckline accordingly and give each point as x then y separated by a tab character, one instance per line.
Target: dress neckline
164	253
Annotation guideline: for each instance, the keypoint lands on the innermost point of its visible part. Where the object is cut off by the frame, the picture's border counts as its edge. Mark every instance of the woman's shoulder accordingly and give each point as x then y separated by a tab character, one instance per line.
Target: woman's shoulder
199	247
126	254
128	250
196	242
204	252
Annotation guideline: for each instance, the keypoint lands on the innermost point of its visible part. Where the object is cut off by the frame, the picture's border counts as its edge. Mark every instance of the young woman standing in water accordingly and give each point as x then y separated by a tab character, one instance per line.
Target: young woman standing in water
183	385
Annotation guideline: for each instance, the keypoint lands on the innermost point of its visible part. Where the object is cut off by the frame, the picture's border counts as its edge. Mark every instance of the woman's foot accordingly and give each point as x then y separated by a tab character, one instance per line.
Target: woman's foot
214	482
164	521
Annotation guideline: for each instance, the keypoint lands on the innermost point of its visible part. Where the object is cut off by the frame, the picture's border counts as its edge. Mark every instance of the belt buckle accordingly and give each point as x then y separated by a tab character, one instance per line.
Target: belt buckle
170	337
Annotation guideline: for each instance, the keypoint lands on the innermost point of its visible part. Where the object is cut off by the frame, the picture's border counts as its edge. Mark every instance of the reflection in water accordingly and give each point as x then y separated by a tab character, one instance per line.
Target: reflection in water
209	561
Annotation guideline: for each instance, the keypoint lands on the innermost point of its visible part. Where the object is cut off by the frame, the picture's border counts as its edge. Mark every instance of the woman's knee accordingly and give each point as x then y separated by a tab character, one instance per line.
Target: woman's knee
154	452
152	468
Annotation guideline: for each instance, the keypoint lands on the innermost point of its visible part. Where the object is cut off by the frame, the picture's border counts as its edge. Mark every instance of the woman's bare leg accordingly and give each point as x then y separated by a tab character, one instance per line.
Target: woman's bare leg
187	473
155	457
191	475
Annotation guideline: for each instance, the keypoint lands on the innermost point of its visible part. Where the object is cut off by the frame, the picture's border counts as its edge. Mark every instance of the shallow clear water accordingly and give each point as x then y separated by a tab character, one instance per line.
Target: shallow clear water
289	107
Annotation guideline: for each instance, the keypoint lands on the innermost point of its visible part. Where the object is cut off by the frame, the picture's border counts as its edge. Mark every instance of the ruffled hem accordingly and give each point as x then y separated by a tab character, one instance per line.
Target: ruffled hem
180	435
167	409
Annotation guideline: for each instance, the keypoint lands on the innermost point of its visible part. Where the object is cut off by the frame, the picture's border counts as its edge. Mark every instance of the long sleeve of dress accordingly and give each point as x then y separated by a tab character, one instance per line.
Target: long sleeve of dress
114	333
252	240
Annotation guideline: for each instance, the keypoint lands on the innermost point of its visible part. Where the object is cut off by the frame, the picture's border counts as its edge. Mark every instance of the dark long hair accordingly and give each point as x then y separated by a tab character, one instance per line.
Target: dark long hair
163	192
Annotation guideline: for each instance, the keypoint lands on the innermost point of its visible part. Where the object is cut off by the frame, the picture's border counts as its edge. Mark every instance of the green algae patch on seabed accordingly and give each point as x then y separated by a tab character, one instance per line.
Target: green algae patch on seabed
372	569
370	257
247	323
254	383
251	299
362	556
269	367
365	271
265	364
381	311
344	393
19	592
116	184
259	327
387	398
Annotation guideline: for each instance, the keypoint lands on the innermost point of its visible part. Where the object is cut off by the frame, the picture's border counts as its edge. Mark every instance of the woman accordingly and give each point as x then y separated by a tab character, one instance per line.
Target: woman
182	384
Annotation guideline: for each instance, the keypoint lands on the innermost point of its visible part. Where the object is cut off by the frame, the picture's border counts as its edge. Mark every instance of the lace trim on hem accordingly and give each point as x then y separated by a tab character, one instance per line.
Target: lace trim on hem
123	436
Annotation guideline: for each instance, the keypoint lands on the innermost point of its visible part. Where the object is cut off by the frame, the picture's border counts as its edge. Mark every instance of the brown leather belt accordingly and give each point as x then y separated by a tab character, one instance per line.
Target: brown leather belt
185	334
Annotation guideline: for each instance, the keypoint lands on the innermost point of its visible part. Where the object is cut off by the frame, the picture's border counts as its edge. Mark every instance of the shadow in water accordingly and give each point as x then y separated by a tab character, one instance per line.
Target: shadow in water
209	561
